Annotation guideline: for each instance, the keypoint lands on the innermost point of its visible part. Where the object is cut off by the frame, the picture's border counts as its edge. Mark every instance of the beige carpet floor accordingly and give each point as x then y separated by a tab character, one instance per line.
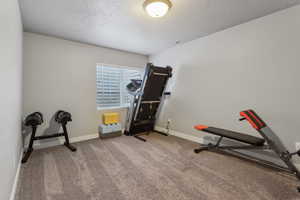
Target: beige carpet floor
164	168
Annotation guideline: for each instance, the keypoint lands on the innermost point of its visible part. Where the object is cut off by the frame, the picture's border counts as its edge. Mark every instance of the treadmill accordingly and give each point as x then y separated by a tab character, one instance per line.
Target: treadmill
148	95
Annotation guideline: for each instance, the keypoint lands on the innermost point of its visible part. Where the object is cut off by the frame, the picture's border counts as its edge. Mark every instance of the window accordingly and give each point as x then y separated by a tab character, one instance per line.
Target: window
111	85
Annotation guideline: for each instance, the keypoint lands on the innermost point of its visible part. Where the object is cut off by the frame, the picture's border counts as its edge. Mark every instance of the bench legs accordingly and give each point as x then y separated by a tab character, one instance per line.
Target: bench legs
33	137
231	150
30	147
208	146
67	142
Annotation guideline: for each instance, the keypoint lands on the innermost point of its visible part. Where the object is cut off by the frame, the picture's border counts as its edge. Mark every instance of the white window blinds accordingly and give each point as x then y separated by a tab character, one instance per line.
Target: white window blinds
111	85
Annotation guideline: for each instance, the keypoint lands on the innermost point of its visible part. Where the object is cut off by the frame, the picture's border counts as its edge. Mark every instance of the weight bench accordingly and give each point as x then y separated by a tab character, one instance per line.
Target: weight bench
269	141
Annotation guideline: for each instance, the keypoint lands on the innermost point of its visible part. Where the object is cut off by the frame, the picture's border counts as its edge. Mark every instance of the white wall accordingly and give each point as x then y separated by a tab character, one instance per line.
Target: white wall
60	74
11	93
254	65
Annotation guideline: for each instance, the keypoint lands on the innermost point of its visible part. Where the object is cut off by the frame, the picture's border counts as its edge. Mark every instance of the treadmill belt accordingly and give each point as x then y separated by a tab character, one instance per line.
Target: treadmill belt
249	139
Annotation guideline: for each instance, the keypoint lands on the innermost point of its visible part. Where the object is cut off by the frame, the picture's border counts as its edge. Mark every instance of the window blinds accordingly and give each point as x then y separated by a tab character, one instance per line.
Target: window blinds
111	85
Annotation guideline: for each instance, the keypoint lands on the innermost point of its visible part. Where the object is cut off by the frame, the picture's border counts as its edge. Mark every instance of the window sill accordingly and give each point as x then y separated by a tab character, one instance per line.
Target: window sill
112	108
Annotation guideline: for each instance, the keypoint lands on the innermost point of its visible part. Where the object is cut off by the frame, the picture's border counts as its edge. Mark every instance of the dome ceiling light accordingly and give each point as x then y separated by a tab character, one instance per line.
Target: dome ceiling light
157	8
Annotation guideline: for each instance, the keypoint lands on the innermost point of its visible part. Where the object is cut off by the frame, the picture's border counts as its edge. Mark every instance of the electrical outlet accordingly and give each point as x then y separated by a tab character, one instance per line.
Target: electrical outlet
297	146
168	125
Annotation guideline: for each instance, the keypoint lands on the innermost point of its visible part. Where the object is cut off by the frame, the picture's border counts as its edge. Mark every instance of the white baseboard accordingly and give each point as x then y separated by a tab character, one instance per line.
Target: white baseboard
180	134
16	180
59	141
84	137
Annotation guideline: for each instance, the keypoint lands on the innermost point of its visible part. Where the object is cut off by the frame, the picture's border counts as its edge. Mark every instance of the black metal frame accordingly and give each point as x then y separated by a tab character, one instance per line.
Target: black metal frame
272	143
230	150
138	122
138	136
33	138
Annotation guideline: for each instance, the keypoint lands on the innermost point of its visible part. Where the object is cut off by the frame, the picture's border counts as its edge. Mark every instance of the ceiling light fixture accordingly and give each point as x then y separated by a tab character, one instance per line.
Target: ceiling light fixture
157	8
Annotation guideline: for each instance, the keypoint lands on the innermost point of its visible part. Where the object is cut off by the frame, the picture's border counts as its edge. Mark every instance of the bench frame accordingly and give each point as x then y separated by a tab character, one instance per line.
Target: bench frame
272	143
231	150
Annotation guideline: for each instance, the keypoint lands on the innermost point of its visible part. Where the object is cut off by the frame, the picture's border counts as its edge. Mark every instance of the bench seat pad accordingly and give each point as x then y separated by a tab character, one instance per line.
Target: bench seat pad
241	137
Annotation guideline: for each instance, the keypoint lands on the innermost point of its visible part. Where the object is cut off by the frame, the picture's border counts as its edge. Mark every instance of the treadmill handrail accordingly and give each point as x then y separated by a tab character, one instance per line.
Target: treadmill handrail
160	74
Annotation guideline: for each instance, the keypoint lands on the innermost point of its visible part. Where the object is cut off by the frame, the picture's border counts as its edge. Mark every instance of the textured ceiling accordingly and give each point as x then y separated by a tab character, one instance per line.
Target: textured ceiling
123	24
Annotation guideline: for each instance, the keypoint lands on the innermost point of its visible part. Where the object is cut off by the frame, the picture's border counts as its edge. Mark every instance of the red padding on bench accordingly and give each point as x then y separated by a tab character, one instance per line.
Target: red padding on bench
262	124
253	119
243	114
200	127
